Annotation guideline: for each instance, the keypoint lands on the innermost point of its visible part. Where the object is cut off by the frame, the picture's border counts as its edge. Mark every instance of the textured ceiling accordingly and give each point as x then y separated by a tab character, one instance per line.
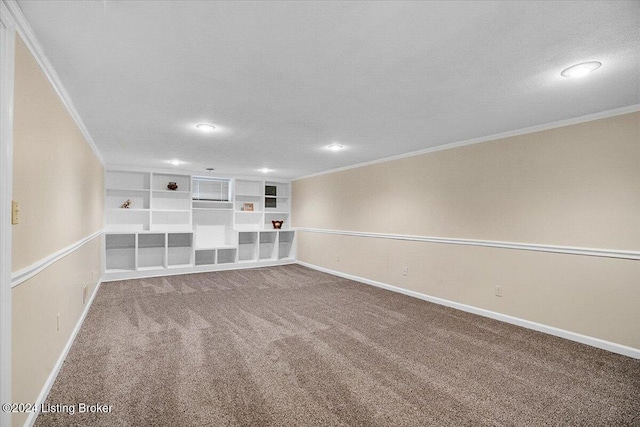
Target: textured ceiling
282	80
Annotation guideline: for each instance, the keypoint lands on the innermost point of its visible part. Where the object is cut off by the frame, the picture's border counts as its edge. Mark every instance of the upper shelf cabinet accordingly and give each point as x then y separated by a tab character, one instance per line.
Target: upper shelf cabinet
127	200
276	197
161	182
248	188
125	180
276	189
211	189
142	201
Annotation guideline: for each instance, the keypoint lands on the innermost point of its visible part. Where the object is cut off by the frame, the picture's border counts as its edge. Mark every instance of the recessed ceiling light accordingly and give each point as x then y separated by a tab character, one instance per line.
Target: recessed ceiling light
175	162
335	147
205	127
581	70
264	170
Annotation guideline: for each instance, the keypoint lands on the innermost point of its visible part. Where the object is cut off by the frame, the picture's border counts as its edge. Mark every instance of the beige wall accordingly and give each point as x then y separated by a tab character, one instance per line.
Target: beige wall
571	186
58	183
37	344
57	179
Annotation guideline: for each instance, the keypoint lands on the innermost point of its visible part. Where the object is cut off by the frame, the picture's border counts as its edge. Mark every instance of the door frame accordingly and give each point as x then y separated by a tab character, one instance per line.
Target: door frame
7	67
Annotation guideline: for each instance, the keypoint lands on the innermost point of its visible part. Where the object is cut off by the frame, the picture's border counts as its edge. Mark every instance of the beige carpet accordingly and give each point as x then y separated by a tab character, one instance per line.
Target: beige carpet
289	346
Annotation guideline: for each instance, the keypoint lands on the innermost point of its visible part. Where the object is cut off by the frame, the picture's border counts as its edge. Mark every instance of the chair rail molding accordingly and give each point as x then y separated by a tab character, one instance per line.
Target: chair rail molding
26	273
571	250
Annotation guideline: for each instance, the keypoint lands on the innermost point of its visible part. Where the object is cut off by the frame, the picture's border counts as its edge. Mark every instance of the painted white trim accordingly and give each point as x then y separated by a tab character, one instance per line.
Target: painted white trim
163	272
30	39
571	250
538	128
7	65
42	397
572	336
27	273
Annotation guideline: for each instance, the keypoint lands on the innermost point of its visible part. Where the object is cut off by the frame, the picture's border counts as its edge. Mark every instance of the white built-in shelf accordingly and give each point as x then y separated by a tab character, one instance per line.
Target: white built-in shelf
201	248
149	268
128	190
212	204
198	227
173	192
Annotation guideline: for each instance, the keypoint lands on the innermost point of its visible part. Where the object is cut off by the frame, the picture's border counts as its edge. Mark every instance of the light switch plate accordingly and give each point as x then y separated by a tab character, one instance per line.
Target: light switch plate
14	212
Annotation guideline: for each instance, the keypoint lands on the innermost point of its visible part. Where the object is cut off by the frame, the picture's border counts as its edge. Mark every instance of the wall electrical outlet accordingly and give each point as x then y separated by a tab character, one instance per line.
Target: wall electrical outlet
337	258
58	322
498	290
405	271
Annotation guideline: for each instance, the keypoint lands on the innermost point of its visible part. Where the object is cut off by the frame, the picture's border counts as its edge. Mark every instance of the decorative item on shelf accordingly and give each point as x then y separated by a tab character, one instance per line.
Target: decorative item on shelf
247	207
126	204
172	186
277	224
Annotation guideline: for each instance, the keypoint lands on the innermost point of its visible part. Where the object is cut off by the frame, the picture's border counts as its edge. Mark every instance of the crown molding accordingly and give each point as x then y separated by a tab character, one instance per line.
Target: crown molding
532	129
28	36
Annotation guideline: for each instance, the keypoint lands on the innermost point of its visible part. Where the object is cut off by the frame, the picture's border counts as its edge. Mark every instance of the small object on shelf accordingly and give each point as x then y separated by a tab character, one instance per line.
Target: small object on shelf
126	204
172	186
277	224
270	202
247	207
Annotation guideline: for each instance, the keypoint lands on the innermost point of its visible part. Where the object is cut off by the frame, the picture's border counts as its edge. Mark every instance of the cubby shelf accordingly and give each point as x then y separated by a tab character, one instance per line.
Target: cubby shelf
200	226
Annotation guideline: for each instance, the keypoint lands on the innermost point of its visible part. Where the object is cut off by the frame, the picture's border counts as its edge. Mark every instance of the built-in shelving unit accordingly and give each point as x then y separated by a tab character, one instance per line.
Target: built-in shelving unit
204	224
134	187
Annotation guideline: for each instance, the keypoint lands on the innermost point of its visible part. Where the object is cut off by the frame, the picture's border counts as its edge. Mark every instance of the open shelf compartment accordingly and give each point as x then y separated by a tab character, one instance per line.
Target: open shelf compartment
285	244
205	256
226	256
120	251
151	251
127	180
268	245
179	249
247	244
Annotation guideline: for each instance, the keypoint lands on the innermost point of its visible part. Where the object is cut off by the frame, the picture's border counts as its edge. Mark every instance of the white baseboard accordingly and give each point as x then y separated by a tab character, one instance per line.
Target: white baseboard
164	272
573	336
56	368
